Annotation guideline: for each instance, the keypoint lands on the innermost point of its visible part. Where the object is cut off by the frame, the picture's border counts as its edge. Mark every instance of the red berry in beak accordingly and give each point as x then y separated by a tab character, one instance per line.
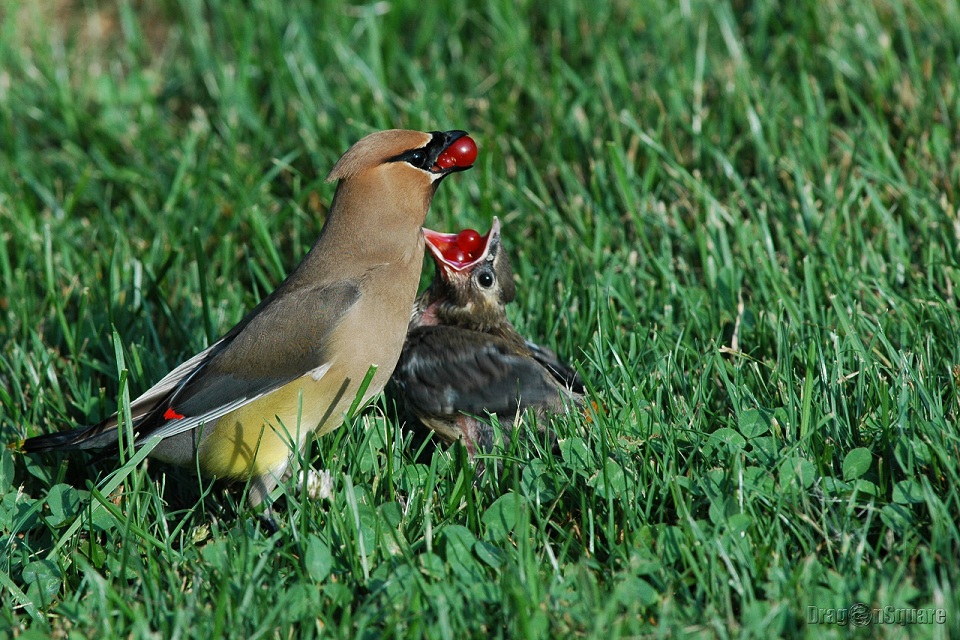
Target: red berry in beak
469	240
464	151
461	153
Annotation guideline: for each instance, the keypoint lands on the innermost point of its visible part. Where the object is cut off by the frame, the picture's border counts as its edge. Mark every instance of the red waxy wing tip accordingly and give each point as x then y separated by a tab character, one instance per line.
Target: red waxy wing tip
170	414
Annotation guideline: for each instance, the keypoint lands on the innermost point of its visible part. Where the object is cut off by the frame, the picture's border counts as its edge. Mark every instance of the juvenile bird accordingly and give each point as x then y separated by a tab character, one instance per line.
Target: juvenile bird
244	406
463	359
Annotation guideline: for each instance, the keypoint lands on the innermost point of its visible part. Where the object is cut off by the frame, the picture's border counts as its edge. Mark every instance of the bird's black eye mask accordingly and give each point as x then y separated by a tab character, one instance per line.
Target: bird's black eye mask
416	157
447	151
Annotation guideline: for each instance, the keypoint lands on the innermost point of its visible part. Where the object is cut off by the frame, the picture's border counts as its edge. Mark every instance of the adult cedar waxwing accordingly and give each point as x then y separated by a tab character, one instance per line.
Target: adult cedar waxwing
244	406
463	359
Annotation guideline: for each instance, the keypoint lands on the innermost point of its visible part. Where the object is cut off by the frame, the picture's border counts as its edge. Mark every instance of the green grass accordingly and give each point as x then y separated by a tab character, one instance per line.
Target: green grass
740	219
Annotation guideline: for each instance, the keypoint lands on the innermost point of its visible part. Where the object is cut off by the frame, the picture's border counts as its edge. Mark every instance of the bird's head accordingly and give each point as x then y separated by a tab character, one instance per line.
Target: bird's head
406	160
474	280
386	182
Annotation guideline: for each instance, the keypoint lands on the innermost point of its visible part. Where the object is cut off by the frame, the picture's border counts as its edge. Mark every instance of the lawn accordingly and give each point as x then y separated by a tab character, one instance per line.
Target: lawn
740	220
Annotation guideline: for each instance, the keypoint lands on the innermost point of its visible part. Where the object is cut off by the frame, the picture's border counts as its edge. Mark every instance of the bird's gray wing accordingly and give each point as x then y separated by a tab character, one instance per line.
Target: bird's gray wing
446	370
275	344
282	339
560	370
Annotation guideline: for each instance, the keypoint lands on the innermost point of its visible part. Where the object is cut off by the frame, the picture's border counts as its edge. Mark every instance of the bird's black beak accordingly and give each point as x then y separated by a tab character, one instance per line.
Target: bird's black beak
454	151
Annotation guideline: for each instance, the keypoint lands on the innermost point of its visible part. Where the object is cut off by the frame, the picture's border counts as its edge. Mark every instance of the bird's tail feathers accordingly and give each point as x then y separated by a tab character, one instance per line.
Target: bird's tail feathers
82	438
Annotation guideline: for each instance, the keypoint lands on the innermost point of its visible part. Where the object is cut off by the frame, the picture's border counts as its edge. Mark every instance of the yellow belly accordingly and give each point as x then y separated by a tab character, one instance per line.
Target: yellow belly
259	437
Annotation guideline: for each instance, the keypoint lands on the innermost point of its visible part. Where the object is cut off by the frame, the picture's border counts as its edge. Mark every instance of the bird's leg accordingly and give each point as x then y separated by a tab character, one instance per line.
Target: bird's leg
267	522
258	493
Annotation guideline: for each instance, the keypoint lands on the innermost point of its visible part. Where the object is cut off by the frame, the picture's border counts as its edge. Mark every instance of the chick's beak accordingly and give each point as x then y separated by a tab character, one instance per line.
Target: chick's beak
457	254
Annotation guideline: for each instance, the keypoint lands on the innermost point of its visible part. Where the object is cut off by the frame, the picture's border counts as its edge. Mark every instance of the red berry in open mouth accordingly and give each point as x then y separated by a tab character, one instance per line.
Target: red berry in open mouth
470	241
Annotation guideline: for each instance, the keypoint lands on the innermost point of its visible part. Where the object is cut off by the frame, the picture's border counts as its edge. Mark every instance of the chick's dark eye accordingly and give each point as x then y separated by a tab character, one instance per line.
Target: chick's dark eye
417	158
485	279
